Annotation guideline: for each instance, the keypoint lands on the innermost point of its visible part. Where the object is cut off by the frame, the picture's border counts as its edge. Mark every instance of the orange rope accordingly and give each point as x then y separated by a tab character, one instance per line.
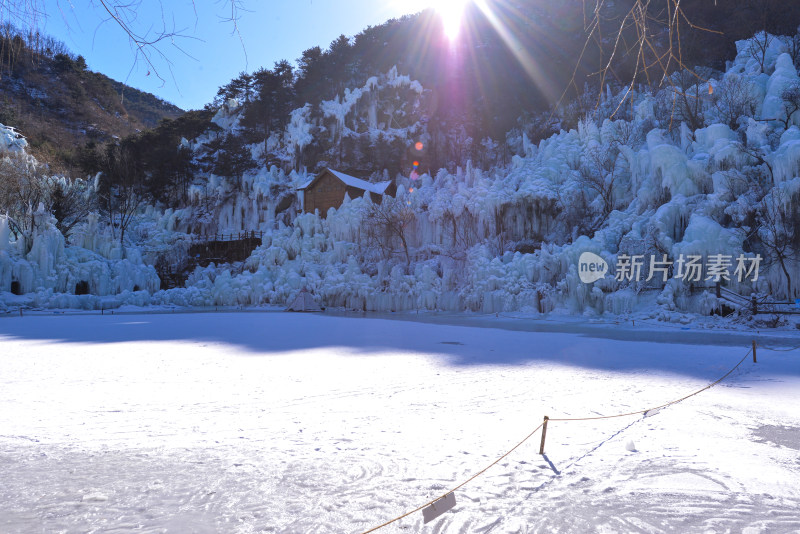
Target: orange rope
470	479
526	438
711	385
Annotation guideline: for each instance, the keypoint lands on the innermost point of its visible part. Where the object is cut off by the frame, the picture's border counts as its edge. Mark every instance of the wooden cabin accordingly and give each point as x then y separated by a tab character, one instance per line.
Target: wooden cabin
328	188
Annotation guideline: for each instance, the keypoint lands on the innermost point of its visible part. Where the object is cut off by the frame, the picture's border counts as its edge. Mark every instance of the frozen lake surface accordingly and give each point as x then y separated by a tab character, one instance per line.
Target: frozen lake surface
275	422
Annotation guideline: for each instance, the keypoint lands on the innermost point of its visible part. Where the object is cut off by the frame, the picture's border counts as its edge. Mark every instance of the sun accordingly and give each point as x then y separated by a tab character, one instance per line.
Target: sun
451	12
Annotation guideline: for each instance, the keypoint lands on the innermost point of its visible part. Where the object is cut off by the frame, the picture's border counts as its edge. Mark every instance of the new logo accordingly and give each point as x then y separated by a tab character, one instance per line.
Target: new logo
591	267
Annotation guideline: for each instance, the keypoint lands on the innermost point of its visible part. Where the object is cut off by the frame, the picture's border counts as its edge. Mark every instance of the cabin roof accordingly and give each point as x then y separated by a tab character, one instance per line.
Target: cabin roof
351	181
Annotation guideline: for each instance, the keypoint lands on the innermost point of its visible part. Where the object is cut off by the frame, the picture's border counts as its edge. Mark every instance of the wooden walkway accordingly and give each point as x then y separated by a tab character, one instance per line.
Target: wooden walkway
211	248
757	306
224	238
224	248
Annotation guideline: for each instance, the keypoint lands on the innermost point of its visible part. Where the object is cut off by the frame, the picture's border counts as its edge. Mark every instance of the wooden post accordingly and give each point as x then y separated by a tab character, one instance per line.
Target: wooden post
718	289
754	351
755	305
544	434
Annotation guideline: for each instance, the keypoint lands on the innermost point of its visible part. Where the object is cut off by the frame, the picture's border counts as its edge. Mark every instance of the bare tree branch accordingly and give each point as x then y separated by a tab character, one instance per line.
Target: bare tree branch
644	20
149	39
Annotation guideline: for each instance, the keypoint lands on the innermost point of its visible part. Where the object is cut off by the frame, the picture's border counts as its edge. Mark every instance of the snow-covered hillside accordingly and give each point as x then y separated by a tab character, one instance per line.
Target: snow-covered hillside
635	182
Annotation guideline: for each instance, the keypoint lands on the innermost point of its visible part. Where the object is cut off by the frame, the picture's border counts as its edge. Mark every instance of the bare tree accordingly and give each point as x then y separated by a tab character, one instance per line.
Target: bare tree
759	46
654	58
733	100
24	187
759	158
600	171
791	104
688	99
387	226
779	232
122	190
70	201
464	234
21	192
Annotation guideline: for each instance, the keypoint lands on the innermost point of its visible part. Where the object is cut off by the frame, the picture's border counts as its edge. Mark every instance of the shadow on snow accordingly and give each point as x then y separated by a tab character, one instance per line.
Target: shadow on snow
458	340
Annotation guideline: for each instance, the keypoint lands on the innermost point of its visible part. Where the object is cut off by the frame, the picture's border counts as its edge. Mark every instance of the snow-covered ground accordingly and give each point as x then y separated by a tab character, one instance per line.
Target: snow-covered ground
275	422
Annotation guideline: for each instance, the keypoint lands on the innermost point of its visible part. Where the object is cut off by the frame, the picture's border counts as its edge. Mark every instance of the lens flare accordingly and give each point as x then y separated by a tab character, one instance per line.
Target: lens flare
419	145
416	164
451	12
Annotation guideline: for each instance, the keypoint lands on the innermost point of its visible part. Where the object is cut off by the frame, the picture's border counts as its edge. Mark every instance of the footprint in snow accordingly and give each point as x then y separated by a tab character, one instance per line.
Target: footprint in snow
94	497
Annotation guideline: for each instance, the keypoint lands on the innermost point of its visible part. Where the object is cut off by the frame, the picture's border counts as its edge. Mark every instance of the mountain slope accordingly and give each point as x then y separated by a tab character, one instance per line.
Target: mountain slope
60	105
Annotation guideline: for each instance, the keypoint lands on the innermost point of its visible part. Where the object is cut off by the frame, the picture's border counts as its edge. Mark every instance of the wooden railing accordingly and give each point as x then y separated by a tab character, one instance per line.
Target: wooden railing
205	249
758	306
222	238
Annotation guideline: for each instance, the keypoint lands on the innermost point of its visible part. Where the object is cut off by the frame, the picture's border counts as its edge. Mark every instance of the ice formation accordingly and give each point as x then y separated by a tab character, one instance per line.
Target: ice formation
483	240
11	140
39	268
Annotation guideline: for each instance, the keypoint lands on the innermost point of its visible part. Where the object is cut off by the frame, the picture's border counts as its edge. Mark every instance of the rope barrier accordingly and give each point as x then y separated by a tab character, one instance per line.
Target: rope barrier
470	479
548	419
671	403
790	349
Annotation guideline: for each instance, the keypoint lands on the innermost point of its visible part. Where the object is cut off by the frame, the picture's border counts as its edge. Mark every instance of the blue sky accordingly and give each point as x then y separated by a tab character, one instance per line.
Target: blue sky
270	31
